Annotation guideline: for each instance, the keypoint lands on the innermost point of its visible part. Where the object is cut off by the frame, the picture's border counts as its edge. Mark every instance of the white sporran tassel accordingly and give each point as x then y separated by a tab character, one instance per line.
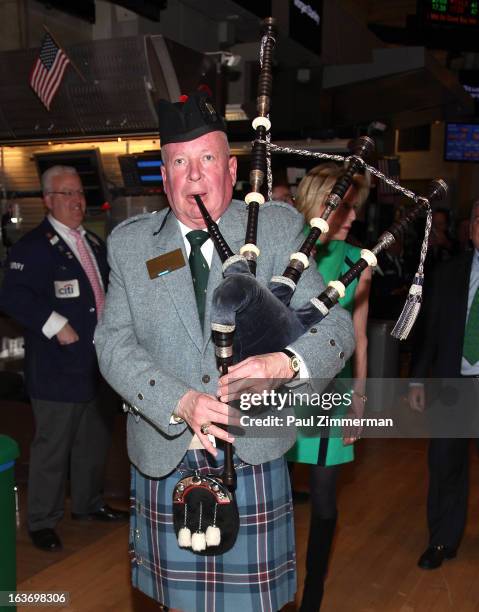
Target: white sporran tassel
411	308
198	539
213	536
184	534
184	537
213	533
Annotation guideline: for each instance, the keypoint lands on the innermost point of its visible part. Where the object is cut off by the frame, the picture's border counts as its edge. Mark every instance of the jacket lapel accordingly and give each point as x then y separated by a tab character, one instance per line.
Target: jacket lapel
98	252
462	279
61	249
178	283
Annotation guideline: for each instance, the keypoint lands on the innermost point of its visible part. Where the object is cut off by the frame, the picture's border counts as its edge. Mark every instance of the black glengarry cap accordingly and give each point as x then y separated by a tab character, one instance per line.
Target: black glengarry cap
184	121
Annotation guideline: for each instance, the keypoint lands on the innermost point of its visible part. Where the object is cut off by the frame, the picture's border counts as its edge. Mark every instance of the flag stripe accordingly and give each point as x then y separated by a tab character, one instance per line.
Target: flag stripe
57	84
50	77
38	73
35	70
42	74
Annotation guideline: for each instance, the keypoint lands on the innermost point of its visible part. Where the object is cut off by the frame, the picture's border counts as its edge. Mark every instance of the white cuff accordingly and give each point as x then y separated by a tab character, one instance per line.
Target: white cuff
53	325
303	371
175	420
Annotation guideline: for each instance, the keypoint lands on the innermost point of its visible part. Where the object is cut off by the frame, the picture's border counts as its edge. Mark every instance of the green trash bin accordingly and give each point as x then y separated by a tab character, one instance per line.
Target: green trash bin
8	559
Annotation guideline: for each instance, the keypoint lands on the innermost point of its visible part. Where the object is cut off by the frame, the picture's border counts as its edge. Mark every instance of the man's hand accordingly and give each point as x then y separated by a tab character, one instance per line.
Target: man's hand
417	398
198	409
255	374
67	335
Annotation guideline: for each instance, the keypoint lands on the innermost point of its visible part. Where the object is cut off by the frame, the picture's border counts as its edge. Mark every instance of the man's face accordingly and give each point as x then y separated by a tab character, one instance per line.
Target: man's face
474	228
199	167
65	199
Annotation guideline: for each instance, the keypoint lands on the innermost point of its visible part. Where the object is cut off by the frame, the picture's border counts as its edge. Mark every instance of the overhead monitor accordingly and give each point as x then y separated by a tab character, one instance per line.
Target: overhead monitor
141	172
463	13
461	143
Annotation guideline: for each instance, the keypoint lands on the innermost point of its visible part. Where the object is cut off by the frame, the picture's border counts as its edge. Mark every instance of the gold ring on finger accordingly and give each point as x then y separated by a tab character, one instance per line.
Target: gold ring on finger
205	428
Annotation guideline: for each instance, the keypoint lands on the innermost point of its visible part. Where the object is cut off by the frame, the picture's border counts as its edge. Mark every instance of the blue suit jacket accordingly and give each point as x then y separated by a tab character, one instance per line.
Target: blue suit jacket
36	283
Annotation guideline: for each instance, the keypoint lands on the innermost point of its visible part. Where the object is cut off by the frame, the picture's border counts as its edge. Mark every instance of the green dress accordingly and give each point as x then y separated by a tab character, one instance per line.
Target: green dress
334	259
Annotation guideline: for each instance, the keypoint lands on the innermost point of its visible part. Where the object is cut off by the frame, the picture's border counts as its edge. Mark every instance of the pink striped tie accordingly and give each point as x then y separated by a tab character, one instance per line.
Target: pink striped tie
90	270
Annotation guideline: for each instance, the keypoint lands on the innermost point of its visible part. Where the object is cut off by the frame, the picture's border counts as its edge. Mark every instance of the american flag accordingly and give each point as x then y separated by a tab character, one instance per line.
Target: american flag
48	70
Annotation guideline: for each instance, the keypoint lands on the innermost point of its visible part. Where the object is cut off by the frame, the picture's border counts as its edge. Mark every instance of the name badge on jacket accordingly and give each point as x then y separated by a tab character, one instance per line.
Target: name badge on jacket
67	289
163	264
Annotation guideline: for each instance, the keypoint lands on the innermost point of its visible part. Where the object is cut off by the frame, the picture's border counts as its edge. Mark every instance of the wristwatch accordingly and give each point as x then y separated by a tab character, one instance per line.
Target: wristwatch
294	362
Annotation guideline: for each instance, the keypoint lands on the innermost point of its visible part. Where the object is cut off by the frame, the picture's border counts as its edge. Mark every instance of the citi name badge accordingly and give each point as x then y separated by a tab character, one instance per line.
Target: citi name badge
67	289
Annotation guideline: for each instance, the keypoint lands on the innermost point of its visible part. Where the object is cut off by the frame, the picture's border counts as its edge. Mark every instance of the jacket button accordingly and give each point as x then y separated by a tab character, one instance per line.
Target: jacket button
92	309
140	396
206	378
152	382
341	355
332	342
313	330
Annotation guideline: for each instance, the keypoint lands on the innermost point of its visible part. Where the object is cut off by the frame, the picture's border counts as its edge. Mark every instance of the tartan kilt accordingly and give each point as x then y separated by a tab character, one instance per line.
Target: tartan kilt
258	574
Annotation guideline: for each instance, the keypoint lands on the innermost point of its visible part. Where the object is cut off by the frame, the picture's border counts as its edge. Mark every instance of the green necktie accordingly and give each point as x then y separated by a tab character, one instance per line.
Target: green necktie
471	334
199	269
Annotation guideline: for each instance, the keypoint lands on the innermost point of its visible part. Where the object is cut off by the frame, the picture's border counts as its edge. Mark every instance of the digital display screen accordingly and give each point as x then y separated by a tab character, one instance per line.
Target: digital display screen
462	142
157	163
151	178
469	79
141	172
451	12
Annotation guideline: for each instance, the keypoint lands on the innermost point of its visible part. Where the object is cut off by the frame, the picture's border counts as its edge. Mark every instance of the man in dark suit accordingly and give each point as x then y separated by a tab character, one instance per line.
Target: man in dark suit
449	351
55	287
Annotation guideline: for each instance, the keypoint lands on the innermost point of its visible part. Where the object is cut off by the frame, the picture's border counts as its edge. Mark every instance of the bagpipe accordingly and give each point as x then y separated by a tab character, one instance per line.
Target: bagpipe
248	318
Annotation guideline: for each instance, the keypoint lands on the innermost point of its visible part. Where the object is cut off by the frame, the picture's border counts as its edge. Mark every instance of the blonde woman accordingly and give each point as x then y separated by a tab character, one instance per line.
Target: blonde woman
334	255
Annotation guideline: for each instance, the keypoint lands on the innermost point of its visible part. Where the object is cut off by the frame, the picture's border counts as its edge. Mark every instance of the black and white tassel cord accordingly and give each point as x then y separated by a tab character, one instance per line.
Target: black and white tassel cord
412	306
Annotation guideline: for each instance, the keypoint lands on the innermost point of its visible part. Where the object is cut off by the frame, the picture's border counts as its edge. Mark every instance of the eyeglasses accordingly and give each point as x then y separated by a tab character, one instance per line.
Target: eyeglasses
69	194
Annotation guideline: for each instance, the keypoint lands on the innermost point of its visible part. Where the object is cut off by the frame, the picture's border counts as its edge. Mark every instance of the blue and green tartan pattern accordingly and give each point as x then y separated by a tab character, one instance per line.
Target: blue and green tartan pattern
258	574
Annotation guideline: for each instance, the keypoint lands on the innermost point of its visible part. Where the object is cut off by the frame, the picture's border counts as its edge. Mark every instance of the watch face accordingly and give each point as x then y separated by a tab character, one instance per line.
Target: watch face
295	364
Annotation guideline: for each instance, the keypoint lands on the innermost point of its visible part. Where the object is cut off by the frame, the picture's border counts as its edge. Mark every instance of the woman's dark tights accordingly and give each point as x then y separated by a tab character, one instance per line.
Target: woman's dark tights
321	532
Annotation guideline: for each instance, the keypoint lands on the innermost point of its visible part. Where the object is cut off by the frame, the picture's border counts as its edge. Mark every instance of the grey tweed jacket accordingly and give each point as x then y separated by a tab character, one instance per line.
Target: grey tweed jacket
151	347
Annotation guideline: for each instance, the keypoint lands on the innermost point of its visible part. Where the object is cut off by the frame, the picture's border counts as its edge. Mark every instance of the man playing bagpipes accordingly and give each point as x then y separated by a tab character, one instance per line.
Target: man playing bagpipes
155	349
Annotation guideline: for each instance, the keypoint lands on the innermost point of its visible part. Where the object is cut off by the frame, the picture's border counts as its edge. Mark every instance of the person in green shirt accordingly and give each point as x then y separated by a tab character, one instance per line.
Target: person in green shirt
334	256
